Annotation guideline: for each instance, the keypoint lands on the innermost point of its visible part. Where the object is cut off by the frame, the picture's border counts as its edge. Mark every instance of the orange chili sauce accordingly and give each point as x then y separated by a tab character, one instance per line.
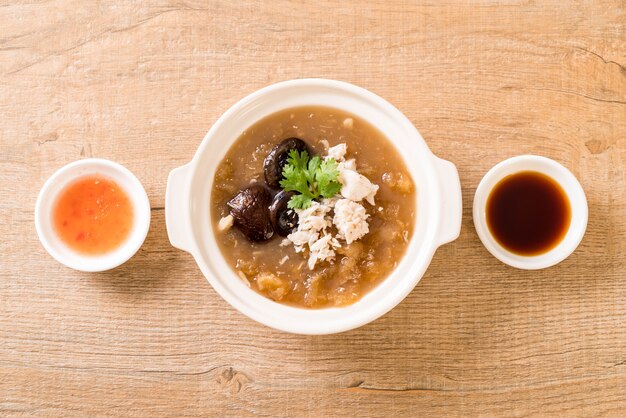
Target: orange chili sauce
93	215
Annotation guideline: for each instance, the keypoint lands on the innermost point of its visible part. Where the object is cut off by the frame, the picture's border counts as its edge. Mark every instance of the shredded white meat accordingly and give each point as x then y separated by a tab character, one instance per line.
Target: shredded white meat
344	211
351	220
357	187
225	223
312	232
322	249
338	152
347	165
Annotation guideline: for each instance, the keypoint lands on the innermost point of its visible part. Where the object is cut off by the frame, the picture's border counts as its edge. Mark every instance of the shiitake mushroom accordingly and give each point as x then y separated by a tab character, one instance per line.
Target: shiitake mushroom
255	212
277	158
284	220
250	209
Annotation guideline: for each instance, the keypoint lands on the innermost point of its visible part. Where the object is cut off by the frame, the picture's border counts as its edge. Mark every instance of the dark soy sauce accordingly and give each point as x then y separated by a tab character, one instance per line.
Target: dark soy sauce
528	213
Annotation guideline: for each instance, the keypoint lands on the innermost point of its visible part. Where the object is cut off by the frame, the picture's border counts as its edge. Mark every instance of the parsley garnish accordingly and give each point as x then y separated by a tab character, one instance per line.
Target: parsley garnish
311	177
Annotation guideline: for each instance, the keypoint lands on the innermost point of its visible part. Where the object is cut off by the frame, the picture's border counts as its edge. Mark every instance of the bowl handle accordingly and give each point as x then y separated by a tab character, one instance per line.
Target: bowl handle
451	201
177	211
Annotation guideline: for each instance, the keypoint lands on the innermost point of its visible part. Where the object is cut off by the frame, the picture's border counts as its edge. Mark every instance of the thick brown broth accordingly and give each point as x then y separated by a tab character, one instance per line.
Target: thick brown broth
357	267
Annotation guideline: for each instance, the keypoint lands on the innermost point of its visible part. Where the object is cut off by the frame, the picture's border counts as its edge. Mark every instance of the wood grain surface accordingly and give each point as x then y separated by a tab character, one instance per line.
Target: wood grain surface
141	83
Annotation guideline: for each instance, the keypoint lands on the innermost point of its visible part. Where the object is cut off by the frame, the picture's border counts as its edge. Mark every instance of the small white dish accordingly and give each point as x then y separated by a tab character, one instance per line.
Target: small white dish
65	176
571	187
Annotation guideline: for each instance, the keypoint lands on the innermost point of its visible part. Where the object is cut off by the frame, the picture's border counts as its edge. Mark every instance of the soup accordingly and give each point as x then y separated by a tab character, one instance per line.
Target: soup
313	207
93	215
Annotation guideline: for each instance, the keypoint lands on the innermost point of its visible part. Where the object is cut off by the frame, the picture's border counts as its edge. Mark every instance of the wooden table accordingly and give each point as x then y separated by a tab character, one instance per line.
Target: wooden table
141	84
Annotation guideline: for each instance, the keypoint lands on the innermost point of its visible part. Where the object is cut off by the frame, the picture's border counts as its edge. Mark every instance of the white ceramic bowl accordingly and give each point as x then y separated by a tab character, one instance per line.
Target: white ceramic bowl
66	175
438	218
571	187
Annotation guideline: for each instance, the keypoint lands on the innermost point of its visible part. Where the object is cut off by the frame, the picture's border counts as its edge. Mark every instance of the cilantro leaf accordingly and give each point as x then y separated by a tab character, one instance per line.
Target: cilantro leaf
310	177
313	167
294	180
298	160
326	178
299	201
